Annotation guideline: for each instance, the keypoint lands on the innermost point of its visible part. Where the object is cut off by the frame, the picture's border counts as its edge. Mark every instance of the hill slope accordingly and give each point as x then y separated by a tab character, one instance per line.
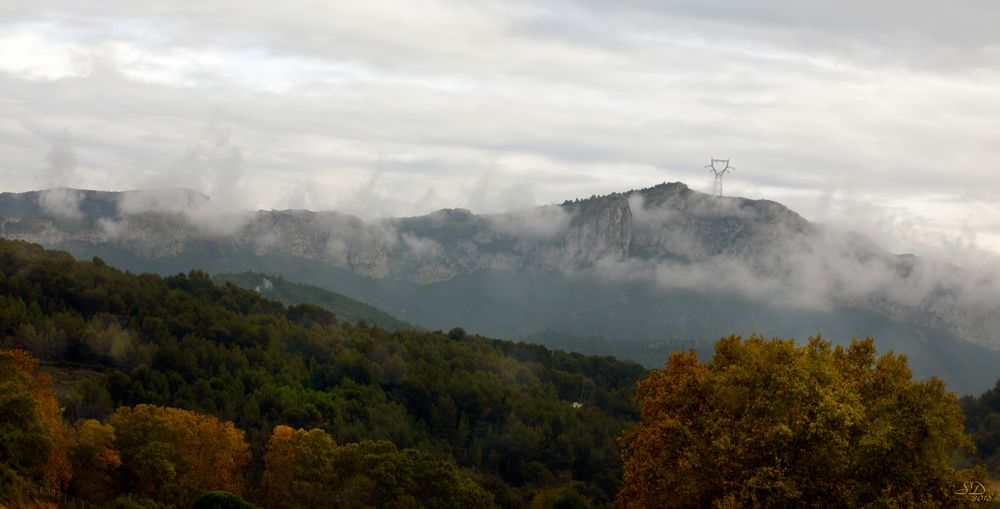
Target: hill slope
502	409
659	265
286	292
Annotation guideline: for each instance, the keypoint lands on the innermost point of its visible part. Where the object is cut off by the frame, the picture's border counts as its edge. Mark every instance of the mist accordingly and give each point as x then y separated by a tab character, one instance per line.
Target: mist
205	193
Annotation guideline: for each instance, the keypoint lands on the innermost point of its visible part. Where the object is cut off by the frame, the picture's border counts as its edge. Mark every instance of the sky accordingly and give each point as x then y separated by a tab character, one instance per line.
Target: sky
875	116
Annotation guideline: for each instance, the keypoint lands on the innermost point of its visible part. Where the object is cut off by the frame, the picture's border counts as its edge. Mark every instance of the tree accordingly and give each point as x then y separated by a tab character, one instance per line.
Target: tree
766	423
184	342
307	469
221	500
34	440
135	502
172	455
298	468
560	497
95	462
377	474
982	422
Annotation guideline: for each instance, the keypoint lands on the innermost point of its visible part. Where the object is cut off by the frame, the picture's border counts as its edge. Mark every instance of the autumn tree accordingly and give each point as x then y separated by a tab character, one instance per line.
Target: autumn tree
95	462
298	468
768	424
172	455
34	439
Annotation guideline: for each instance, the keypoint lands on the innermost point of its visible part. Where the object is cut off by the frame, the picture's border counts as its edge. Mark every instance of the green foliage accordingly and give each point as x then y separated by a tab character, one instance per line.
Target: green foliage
221	500
14	489
90	400
982	422
307	469
500	409
457	334
560	497
766	423
136	502
377	474
286	292
24	439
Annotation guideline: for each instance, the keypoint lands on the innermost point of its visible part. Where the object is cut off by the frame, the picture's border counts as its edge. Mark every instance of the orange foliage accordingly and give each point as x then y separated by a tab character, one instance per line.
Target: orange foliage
18	367
174	455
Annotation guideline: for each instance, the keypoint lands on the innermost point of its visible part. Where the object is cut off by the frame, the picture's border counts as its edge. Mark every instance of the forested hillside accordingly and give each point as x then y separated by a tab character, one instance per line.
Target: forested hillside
519	420
289	293
982	423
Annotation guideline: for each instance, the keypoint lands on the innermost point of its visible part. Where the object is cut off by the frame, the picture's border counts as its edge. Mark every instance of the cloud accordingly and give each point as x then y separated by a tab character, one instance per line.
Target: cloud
559	99
213	164
536	223
61	202
760	250
62	161
422	248
168	201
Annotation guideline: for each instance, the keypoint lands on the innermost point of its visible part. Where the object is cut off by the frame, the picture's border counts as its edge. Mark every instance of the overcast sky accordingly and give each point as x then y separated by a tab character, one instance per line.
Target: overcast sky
876	115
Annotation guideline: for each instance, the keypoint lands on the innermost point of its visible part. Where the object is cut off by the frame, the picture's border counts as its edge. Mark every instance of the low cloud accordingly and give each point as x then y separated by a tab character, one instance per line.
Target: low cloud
536	223
62	161
168	201
213	165
422	248
61	202
762	251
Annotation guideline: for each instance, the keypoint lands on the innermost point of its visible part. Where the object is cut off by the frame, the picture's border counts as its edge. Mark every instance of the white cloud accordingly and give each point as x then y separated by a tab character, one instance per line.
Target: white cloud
543	101
27	54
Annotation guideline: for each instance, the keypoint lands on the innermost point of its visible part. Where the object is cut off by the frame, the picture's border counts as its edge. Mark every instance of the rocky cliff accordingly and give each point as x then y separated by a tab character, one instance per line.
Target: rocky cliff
668	235
667	221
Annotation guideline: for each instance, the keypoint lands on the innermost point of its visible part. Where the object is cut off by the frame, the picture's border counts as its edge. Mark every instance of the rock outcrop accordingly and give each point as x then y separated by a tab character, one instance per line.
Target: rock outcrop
668	233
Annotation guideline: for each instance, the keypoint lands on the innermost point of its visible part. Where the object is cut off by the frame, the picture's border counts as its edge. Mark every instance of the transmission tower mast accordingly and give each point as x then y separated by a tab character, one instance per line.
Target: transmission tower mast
719	167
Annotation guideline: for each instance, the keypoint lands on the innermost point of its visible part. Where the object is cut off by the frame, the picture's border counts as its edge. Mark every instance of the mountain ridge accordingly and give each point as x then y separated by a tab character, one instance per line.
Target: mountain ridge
697	266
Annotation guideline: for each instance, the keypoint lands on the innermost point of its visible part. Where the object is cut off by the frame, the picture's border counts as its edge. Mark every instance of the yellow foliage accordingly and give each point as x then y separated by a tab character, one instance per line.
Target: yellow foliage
298	468
767	423
17	368
174	455
95	461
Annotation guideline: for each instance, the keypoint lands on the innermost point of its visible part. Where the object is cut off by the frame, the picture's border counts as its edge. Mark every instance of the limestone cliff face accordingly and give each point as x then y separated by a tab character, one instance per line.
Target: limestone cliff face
667	221
676	223
599	230
338	239
665	225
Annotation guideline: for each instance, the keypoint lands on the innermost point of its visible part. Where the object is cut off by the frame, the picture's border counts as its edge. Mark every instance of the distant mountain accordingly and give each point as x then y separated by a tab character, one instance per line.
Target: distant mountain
86	207
660	266
286	292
